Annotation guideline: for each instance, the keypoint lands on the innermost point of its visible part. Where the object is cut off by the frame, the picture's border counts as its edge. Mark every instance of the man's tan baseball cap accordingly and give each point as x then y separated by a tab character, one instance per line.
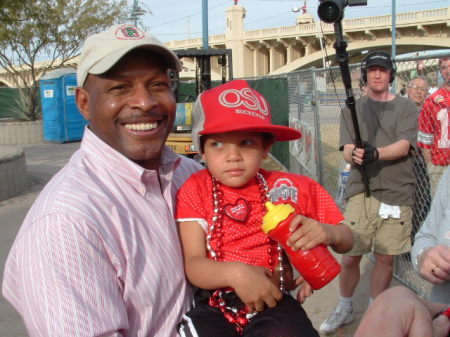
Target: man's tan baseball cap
103	50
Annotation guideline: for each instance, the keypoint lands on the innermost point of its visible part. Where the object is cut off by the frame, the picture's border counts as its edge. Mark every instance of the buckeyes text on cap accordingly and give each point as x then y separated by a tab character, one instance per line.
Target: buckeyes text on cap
103	50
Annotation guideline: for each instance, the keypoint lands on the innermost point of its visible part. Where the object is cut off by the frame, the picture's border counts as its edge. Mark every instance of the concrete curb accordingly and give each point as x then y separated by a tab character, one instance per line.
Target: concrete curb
21	133
13	172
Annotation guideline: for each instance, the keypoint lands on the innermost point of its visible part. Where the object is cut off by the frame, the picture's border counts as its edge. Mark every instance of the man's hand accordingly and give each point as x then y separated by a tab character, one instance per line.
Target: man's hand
397	312
366	155
370	154
435	264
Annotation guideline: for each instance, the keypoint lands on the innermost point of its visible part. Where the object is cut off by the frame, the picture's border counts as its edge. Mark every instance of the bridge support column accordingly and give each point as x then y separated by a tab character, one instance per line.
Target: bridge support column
256	63
271	59
289	54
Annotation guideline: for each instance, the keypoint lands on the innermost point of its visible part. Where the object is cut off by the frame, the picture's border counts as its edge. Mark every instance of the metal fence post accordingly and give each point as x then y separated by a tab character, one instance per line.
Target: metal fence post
315	109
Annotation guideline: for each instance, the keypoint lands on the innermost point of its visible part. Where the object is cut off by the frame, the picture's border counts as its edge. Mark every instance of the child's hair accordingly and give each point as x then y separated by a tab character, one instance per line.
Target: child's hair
235	106
268	139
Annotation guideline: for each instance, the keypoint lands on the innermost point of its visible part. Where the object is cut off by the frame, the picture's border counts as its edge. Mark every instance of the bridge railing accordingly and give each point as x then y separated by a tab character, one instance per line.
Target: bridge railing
366	23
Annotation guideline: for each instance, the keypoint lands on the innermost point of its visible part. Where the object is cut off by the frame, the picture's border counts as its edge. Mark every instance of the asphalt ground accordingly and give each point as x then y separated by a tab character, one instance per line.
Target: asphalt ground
44	160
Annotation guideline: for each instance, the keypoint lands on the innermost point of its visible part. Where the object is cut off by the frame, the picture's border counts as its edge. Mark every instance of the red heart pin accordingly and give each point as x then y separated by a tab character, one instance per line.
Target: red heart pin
239	211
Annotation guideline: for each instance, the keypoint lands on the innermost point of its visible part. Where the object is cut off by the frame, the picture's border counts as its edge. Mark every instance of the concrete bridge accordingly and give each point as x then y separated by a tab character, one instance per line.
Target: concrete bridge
279	50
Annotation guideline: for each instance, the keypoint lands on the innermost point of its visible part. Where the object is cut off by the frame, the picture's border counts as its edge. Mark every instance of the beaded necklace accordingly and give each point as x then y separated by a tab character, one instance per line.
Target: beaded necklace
238	317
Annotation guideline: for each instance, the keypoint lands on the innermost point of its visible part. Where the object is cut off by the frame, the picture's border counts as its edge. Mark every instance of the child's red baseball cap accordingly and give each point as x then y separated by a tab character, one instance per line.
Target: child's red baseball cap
235	106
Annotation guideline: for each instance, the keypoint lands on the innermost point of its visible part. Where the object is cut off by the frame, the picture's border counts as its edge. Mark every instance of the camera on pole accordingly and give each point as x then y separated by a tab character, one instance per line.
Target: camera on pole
331	11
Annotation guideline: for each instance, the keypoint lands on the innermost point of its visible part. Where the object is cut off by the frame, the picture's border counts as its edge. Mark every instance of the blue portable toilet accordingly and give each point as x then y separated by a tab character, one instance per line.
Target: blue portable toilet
61	119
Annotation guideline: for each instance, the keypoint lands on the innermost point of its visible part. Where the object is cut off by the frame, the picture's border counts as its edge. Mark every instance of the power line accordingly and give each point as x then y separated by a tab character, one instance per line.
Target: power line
382	6
410	4
269	17
218	29
187	16
284	13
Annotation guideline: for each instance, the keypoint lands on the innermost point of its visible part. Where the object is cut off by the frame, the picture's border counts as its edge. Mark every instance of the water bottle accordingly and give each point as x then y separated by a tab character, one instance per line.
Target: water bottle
343	179
317	265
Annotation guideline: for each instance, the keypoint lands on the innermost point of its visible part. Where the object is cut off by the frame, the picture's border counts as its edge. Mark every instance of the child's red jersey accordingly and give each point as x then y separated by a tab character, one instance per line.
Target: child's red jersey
245	241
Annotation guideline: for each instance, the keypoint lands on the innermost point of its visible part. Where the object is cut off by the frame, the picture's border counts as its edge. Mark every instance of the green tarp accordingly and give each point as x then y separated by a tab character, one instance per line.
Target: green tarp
275	90
9	103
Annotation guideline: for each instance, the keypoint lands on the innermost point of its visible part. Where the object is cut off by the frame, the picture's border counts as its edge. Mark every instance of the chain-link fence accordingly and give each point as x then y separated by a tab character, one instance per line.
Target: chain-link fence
418	78
316	97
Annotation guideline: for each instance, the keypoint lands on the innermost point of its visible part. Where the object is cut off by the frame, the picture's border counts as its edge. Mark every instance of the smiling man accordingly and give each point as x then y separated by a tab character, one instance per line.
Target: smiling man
380	218
98	253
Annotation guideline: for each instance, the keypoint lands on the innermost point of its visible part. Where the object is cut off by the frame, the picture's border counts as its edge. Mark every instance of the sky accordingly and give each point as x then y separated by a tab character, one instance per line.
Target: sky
181	19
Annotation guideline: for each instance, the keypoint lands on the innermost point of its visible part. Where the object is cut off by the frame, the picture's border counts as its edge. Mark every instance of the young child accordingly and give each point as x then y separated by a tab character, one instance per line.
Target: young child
237	268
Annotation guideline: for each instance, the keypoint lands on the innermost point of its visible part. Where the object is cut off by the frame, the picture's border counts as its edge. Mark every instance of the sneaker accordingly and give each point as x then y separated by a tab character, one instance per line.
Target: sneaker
337	318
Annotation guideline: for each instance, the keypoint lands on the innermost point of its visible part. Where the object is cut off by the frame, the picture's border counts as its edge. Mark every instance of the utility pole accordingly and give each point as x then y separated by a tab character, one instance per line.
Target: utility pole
136	12
205	61
394	37
205	23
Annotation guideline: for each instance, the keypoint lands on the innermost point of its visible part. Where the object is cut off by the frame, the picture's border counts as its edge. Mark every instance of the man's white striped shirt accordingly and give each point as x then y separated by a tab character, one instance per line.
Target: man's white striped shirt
98	253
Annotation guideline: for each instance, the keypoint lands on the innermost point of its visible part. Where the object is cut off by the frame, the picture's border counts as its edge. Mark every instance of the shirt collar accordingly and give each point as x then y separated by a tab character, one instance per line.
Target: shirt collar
134	174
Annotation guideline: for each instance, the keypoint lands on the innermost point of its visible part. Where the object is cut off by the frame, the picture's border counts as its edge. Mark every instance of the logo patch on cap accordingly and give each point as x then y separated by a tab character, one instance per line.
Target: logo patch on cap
245	98
128	32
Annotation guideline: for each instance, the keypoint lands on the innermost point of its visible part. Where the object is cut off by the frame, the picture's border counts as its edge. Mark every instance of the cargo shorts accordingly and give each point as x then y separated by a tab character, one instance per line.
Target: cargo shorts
372	233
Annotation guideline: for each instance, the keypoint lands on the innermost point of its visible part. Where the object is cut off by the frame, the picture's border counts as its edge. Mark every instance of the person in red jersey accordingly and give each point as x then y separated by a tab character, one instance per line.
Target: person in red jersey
433	135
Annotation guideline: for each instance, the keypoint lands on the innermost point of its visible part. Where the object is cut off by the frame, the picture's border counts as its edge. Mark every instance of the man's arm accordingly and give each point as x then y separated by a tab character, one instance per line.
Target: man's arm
429	258
394	151
62	281
426	154
425	136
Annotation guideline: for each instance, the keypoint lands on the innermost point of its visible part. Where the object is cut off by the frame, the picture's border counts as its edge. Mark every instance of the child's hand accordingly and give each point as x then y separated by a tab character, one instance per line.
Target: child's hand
310	234
305	289
253	286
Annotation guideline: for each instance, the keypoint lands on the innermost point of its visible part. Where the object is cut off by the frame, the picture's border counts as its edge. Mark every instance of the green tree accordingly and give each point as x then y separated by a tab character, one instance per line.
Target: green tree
51	33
